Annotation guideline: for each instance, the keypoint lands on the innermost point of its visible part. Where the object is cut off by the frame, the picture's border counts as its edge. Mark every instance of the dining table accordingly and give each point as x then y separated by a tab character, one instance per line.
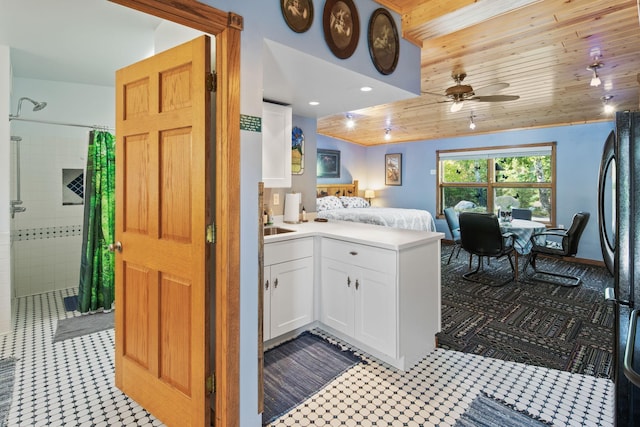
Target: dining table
523	230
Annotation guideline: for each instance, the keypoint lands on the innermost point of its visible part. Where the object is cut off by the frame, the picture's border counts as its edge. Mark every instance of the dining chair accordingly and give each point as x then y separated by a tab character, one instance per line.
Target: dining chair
480	235
454	228
557	243
519	213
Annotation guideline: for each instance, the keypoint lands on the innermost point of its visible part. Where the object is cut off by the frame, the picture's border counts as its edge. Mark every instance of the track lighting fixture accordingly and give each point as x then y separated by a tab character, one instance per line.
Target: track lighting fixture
387	134
608	108
472	124
594	67
350	122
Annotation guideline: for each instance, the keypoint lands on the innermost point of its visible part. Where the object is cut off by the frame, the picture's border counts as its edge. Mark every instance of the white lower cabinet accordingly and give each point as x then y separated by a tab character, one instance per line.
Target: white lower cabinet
287	287
384	301
359	293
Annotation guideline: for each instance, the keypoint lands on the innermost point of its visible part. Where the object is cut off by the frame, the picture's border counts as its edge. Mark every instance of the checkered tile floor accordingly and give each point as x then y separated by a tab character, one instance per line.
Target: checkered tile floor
70	383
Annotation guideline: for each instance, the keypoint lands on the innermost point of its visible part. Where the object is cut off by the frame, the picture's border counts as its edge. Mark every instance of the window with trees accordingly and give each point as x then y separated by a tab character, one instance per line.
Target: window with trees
493	178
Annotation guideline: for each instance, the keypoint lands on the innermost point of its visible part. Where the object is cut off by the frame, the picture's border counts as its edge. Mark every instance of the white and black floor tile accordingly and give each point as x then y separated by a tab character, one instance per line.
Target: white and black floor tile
70	383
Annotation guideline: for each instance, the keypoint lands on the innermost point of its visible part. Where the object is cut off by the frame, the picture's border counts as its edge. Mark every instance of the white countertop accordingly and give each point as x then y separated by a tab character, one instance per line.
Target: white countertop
367	234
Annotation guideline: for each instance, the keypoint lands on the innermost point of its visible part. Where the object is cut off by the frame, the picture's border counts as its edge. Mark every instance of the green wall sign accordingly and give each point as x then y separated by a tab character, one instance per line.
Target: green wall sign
250	123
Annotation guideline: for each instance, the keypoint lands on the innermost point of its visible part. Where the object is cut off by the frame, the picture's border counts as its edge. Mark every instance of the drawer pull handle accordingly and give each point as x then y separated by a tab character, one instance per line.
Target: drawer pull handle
348	282
357	284
275	283
353	253
266	285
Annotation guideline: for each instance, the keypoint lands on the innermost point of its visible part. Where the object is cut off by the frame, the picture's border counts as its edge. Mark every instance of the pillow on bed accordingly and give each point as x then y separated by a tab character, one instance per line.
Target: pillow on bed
354	202
327	203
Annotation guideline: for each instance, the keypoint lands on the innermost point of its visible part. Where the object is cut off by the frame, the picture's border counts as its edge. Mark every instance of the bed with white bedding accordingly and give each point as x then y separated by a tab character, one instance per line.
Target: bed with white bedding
357	209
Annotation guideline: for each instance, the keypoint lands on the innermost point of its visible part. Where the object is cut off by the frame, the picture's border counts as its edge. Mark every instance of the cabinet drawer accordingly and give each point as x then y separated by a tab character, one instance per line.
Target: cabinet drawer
360	255
277	252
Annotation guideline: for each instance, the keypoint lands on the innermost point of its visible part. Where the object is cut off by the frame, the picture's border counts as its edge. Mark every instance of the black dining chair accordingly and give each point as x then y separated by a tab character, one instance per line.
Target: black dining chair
454	228
518	213
480	235
557	243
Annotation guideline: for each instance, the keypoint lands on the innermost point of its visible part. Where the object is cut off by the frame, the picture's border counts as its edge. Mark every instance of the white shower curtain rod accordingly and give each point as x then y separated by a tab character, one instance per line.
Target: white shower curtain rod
96	127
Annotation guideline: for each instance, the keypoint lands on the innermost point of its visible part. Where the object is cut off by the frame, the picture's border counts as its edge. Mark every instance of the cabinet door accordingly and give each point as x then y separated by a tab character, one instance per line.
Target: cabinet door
276	145
337	296
266	305
375	310
291	295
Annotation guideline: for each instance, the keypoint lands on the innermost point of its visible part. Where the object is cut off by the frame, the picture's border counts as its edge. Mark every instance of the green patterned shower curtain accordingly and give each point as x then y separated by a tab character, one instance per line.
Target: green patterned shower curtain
97	279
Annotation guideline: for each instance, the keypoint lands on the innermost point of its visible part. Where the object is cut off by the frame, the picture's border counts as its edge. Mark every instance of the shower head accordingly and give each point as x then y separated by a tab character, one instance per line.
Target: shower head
37	106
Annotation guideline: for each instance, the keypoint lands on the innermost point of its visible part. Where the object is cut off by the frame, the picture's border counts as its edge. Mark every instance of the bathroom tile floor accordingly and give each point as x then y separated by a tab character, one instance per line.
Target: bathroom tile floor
70	383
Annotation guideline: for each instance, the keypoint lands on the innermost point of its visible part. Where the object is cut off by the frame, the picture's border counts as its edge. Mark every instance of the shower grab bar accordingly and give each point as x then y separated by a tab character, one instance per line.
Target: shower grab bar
18	195
631	374
18	201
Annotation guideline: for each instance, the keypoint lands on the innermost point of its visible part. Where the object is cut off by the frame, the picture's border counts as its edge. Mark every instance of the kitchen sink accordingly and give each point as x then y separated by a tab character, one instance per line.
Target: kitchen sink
272	231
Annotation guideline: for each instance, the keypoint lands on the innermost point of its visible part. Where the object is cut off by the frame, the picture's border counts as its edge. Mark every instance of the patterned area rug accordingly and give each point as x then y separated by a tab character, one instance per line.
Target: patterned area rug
533	322
485	411
297	369
7	374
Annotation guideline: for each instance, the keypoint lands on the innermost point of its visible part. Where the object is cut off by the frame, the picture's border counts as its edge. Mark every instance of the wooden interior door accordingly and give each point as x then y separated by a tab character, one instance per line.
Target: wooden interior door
162	211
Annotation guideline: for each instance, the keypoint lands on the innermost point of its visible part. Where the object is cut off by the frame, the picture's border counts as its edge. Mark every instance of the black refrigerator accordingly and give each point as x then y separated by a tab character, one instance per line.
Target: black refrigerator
619	225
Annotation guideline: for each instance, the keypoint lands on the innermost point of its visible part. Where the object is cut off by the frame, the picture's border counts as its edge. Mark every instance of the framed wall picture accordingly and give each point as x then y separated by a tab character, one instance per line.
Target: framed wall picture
341	26
393	169
384	43
298	14
328	164
297	151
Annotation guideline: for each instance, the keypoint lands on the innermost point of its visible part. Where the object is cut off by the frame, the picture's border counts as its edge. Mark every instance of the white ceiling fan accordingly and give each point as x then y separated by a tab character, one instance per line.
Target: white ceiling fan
460	93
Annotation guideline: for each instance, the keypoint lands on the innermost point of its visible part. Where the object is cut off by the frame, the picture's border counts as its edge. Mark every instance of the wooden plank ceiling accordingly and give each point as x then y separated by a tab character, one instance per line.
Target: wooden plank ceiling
540	48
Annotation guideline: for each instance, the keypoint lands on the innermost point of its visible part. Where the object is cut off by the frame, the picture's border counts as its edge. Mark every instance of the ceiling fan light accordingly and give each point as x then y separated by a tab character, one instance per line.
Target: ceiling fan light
595	80
457	106
387	134
472	124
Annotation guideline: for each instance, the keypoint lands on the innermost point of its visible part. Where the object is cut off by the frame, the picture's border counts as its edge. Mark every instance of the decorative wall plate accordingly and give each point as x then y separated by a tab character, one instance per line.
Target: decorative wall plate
384	44
341	26
298	14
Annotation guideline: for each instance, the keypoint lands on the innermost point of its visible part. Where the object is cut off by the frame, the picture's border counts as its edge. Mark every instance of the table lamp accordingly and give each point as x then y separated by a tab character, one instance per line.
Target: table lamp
369	194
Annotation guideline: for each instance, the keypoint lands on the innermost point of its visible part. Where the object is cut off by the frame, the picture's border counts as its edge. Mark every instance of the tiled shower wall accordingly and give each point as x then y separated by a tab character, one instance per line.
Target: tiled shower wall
46	239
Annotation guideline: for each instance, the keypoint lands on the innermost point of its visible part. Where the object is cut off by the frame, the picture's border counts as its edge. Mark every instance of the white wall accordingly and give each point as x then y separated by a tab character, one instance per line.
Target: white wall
5	240
47	237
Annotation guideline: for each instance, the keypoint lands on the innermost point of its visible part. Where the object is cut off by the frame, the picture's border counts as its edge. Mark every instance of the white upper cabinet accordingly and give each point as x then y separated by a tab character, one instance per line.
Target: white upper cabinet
276	145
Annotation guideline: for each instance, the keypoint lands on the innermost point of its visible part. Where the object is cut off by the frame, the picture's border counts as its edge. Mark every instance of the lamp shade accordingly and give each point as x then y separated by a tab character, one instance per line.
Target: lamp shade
369	194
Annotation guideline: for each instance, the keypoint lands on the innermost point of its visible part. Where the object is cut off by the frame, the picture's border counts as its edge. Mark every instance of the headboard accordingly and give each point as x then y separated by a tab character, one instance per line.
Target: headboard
337	189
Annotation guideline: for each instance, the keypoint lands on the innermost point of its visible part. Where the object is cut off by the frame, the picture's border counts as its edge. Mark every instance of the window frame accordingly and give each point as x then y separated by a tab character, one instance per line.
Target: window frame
489	154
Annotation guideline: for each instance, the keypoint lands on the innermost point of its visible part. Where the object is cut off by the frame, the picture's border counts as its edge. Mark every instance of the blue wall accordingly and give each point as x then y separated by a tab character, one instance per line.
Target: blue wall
578	153
263	21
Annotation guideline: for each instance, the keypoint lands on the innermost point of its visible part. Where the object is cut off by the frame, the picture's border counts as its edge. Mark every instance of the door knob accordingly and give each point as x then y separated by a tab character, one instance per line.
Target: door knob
117	246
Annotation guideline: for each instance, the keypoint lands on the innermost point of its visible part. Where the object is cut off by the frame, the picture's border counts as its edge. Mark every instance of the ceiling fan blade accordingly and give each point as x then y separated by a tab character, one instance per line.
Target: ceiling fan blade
424	92
490	89
495	98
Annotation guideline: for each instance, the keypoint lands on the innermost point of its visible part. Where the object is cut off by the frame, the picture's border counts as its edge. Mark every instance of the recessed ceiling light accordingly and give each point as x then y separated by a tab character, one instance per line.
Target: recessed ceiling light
366	89
314	103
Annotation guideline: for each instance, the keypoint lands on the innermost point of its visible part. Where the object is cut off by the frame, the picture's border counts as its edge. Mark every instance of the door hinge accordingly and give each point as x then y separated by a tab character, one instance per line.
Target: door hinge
210	383
212	81
211	234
